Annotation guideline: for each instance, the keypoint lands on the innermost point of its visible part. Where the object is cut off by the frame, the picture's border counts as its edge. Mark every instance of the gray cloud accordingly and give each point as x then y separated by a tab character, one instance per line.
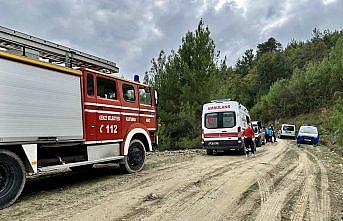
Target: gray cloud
132	32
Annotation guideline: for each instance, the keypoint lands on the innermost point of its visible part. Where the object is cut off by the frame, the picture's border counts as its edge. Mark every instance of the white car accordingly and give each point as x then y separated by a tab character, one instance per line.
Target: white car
287	131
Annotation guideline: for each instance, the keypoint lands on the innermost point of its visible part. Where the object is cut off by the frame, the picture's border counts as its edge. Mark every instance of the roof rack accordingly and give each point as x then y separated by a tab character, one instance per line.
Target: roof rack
221	100
26	45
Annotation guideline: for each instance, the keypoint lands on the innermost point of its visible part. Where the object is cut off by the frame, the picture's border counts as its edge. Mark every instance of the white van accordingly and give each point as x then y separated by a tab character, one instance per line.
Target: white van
287	131
223	122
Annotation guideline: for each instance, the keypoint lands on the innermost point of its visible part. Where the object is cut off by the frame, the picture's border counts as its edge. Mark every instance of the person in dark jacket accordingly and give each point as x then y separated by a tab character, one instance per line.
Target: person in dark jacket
273	131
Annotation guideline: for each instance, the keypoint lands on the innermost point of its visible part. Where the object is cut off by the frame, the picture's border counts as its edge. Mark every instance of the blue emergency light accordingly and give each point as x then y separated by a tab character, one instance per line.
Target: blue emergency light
136	78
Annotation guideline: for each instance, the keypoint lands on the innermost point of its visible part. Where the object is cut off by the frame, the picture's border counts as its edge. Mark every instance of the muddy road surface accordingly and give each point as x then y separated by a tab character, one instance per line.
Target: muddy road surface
283	182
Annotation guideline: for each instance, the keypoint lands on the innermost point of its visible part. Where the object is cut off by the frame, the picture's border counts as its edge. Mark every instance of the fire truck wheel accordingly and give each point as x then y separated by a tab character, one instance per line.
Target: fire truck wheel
135	158
12	178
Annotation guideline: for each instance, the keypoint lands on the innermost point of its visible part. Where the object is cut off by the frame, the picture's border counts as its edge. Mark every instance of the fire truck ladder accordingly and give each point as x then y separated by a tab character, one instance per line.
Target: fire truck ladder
26	45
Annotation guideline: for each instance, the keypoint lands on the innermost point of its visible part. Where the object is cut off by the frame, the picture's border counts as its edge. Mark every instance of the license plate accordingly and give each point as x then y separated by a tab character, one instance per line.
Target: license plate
213	143
307	139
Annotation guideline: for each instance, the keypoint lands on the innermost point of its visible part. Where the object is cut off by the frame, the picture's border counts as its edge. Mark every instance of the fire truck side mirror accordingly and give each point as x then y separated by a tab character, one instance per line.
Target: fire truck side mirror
156	98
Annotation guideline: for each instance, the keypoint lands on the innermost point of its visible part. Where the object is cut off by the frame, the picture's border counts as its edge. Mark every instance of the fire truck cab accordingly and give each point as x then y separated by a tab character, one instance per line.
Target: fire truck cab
223	122
73	116
119	115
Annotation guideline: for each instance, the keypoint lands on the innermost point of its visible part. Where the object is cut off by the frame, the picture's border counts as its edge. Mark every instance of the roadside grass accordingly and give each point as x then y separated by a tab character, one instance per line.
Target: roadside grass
327	154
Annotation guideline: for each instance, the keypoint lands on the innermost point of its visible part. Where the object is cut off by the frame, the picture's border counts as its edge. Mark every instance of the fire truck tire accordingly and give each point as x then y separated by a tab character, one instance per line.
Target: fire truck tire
209	152
134	160
12	178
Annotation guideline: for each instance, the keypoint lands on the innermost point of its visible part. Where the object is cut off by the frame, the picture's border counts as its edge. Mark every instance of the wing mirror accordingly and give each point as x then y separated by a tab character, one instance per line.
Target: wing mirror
156	97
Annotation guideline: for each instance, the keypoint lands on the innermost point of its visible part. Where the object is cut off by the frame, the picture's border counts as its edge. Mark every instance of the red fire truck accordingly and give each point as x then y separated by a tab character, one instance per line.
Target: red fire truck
71	116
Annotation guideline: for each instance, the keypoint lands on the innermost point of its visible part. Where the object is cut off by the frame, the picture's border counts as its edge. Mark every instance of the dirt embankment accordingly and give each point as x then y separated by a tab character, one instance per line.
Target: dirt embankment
283	182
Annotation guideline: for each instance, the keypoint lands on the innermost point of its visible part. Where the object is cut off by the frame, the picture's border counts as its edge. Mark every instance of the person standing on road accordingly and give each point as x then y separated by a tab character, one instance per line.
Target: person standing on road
270	135
248	140
263	135
274	135
266	132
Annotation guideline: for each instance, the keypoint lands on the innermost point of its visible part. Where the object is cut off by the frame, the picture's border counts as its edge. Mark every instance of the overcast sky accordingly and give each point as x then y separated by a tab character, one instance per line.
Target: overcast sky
132	32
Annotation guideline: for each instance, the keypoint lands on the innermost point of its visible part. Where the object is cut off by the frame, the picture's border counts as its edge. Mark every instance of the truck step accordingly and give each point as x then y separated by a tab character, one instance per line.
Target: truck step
64	166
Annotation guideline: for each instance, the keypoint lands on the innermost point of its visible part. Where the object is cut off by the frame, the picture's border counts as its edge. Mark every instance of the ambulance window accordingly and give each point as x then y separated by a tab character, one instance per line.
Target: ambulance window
90	85
211	121
229	119
145	96
129	93
106	88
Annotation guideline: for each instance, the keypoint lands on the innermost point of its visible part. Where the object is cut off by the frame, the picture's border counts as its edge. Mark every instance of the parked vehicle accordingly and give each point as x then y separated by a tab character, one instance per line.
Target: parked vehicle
287	131
308	135
54	117
259	138
222	124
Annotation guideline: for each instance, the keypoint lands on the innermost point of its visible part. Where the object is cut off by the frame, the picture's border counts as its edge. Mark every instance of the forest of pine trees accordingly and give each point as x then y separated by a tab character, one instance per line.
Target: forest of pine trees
273	82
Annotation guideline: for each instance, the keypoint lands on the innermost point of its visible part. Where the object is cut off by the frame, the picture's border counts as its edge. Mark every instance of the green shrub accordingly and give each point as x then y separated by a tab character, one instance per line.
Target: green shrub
337	121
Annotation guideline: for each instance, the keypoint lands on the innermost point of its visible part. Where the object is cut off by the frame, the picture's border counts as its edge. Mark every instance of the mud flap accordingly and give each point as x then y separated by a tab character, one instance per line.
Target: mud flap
31	155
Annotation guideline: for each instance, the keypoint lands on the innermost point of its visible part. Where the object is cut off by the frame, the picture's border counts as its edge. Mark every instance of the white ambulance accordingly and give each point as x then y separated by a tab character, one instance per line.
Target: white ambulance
223	122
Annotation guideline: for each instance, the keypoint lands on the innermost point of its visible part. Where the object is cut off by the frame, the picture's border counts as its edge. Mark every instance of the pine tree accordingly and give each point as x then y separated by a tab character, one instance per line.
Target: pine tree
185	81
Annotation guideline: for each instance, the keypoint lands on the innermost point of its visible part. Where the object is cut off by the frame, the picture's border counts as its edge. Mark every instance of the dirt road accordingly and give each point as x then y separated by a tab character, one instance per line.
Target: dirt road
282	182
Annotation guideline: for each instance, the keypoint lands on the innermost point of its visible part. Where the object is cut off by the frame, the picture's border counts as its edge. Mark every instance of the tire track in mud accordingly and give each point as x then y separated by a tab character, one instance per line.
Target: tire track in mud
272	207
172	177
183	194
246	207
311	201
265	186
324	206
91	193
308	196
184	185
307	201
267	182
190	196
